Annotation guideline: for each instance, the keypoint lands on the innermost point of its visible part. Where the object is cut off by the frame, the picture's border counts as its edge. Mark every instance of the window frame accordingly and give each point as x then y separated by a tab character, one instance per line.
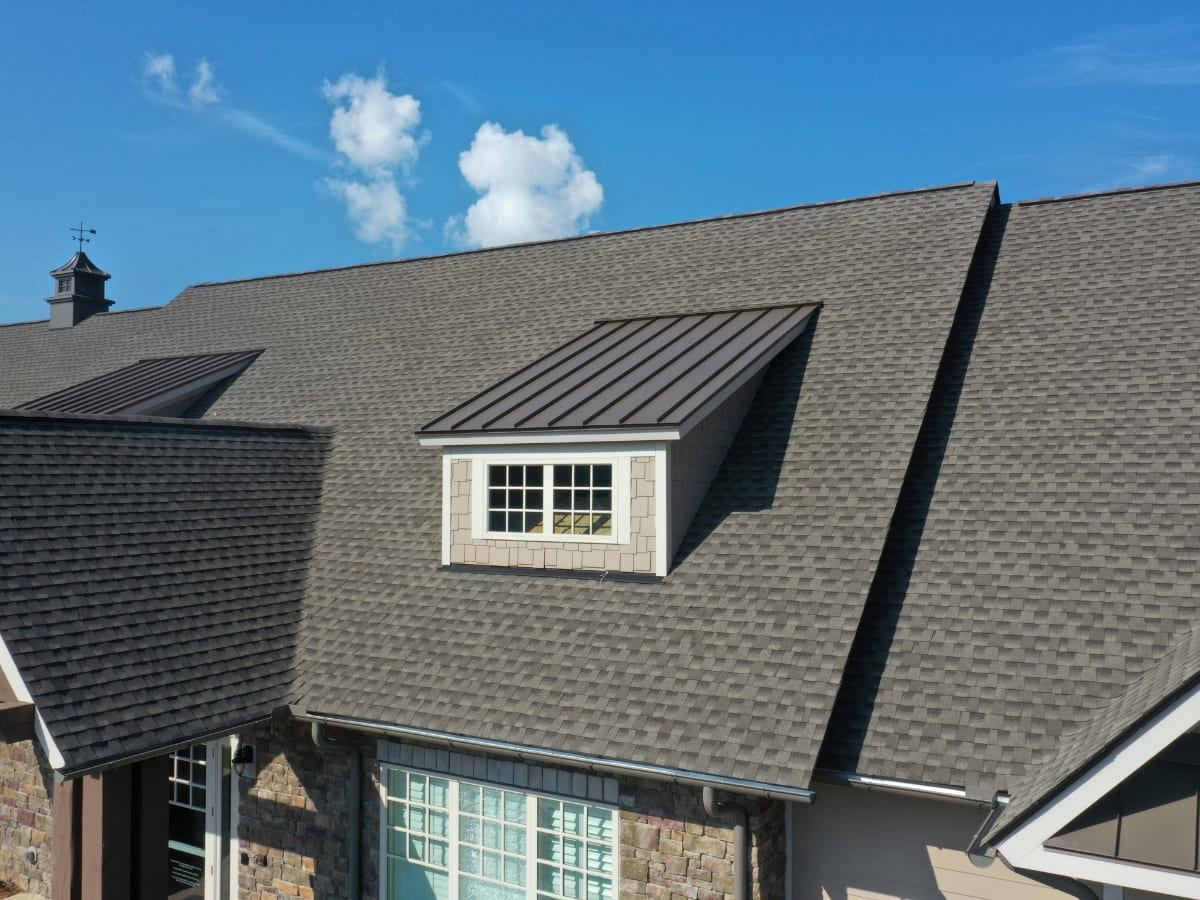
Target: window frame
531	826
621	468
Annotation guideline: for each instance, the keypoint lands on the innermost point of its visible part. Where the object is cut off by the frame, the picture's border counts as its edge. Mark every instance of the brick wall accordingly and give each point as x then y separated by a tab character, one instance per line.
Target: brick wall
294	822
28	784
636	556
671	850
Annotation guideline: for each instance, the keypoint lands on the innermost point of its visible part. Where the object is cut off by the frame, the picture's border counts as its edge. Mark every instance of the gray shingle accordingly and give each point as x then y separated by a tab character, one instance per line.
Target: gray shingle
152	573
730	666
1058	560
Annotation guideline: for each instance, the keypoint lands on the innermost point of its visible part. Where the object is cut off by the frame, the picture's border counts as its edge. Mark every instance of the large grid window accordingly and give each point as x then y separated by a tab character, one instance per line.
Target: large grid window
580	501
446	839
189	777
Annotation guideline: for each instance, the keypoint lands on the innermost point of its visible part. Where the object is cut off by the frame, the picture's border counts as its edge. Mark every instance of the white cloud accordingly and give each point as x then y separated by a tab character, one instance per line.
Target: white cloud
1161	55
372	127
377	210
374	132
205	94
533	188
204	89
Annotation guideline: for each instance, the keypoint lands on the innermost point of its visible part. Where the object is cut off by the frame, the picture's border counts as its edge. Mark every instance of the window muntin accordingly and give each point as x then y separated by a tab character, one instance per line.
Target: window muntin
447	839
189	777
579	503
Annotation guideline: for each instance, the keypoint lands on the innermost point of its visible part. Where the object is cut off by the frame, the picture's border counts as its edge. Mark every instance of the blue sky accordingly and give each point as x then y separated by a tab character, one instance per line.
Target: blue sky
222	140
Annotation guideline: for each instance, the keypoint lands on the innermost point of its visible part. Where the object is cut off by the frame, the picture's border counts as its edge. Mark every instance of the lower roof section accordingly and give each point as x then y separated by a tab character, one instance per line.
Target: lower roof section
151	573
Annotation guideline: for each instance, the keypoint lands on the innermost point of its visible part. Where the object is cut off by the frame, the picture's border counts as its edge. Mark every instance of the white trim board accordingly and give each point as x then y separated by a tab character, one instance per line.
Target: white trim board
8	666
1024	848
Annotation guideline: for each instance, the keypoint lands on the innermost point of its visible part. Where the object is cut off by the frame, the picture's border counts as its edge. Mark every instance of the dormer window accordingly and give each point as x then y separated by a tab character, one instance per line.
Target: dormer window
64	285
597	456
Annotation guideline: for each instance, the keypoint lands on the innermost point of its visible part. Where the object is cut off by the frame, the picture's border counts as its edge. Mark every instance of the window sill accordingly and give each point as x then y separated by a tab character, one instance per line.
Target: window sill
578	574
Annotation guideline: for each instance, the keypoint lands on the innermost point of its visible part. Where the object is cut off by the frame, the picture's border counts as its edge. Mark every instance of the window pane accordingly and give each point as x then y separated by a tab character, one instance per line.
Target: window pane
468	829
416	848
495	498
602	524
549	847
514	808
600	824
439	824
491	803
496	476
407	880
468	798
550	879
562	500
599	858
416	819
469	859
598	888
495	521
572	818
562	523
514	870
533	523
474	889
198	797
416	788
514	522
514	839
491	865
533	476
549	814
516	476
397	782
533	500
398	843
572	884
439	854
491	834
515	499
583	476
562	476
439	793
602	476
602	500
396	815
572	852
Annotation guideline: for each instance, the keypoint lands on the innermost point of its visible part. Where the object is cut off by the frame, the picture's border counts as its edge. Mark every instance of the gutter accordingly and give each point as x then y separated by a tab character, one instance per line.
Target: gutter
896	786
594	764
354	875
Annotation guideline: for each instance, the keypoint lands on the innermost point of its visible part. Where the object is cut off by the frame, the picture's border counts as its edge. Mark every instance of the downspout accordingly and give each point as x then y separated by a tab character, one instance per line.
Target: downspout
355	798
740	830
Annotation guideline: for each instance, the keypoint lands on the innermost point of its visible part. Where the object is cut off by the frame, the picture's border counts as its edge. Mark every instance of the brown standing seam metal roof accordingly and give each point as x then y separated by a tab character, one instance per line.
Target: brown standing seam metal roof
134	385
653	371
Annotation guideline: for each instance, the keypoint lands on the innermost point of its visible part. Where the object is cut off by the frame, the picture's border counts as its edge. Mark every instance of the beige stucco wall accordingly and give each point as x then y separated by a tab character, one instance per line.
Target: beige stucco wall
638	555
854	844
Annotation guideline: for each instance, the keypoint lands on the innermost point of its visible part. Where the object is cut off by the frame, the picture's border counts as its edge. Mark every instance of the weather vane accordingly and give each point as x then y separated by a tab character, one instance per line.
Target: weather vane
80	237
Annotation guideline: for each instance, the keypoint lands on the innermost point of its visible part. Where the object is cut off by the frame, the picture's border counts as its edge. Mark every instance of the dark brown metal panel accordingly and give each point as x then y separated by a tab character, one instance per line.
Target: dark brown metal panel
608	393
1158	816
750	349
16	721
536	409
1095	831
644	372
135	384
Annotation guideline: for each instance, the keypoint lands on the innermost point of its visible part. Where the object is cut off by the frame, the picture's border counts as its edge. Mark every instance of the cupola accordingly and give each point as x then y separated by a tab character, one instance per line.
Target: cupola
79	291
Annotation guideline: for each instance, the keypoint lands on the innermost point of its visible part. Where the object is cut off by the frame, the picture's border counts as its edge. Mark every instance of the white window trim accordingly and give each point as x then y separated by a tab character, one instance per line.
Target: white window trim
620	488
531	858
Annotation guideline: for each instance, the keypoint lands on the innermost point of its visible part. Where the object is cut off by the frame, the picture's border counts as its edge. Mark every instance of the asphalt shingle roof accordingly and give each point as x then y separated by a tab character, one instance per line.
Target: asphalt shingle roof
1058	558
151	573
730	666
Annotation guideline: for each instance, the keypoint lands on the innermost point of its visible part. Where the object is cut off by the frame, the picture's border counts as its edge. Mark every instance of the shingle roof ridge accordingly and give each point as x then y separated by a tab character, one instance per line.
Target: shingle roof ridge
160	421
958	185
711	312
109	312
1111	192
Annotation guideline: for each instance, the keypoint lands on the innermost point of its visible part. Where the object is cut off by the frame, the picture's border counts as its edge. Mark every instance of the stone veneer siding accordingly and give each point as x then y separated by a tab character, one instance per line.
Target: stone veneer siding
636	556
25	816
294	817
670	850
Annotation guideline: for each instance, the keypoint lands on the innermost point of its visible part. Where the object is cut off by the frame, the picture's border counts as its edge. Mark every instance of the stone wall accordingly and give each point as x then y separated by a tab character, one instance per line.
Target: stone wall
671	850
636	556
25	816
294	822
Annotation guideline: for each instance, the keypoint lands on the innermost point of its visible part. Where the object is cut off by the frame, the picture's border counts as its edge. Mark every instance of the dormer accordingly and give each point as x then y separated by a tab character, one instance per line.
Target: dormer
595	458
78	292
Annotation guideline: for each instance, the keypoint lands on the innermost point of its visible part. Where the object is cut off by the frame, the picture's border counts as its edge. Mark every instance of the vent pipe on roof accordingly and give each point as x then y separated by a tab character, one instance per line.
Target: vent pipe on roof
354	799
740	830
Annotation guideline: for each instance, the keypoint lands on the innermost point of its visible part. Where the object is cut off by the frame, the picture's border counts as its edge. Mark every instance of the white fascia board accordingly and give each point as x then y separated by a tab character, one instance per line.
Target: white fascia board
1171	882
531	438
9	667
1023	848
662	507
447	462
